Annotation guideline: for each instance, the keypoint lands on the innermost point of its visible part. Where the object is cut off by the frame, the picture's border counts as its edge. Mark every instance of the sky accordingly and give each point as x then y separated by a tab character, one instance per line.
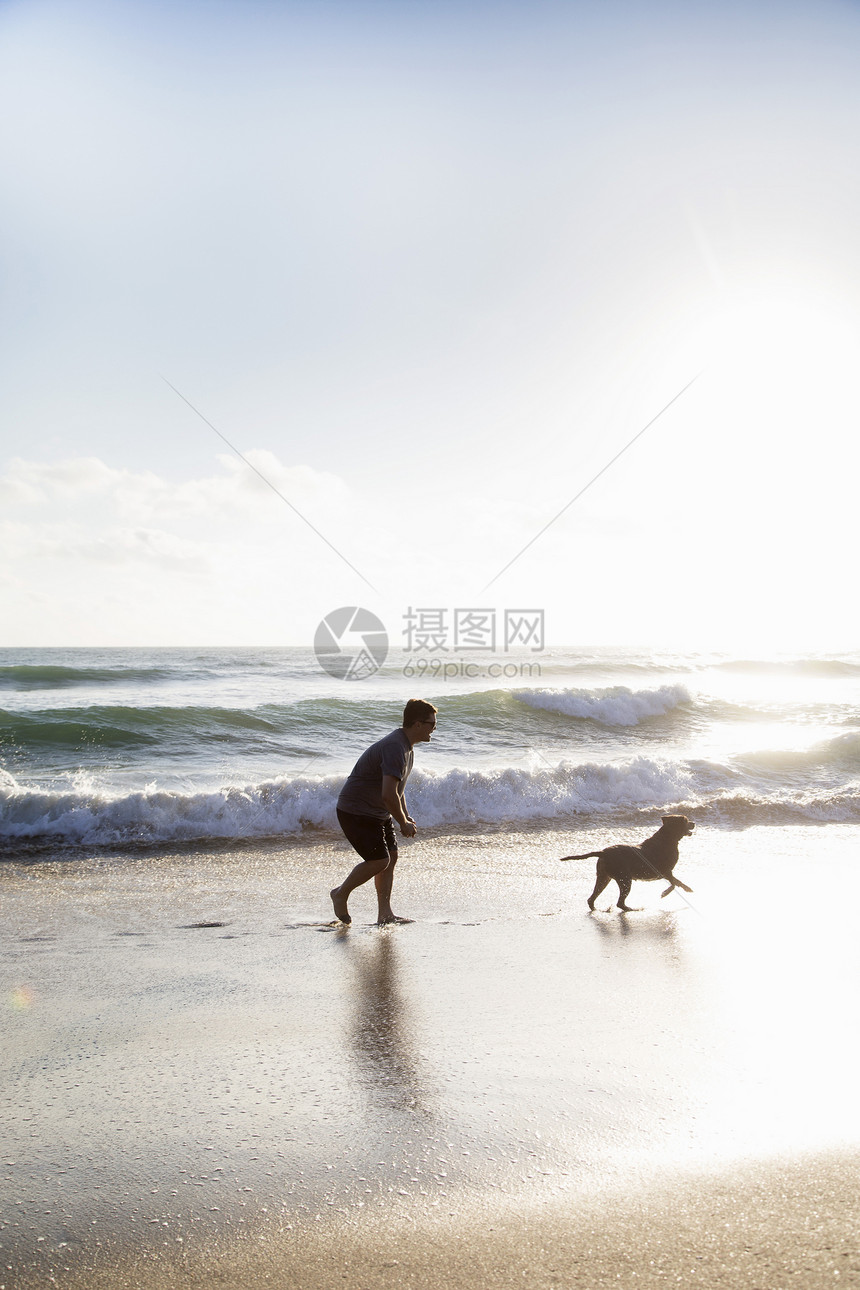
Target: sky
429	267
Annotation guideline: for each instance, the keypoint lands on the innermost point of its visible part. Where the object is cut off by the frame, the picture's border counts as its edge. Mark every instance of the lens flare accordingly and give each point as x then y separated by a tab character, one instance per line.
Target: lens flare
21	998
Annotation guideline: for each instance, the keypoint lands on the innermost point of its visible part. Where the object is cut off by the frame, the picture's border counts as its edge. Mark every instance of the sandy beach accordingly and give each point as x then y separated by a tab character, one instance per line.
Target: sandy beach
208	1083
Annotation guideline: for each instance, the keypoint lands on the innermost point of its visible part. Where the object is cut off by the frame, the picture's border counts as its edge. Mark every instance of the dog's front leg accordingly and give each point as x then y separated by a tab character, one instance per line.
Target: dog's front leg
671	887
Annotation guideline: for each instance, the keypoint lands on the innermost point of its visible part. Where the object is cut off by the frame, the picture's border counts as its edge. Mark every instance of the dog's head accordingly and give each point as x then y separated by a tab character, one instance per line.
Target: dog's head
678	825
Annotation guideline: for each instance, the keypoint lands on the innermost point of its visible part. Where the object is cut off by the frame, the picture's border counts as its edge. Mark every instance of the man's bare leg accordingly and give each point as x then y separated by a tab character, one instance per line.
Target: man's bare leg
384	882
362	873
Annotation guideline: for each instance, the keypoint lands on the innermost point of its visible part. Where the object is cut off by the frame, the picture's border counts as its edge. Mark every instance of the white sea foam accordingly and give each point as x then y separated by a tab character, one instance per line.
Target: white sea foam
451	799
551	793
454	799
160	816
618	706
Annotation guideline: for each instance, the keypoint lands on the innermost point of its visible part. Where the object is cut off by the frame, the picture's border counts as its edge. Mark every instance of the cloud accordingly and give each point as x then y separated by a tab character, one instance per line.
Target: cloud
242	490
144	494
98	554
31	483
64	544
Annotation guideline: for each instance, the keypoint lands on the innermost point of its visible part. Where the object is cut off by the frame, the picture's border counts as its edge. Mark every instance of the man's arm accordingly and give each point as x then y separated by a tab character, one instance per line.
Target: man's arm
393	800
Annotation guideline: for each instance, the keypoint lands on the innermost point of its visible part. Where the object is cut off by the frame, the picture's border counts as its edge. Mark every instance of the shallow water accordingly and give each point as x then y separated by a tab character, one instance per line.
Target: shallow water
165	1078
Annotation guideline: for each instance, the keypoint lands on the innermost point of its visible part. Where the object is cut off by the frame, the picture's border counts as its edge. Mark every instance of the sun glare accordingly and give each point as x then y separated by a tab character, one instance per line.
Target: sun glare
779	347
761	470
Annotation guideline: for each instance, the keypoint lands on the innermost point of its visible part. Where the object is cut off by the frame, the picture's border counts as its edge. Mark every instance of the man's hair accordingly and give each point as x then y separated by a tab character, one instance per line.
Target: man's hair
417	710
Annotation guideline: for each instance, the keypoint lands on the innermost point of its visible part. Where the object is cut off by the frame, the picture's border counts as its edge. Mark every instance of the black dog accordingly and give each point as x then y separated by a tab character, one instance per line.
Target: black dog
656	857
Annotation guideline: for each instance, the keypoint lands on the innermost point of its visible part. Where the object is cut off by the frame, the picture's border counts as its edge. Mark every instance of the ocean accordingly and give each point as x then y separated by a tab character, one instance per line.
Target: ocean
200	1062
131	748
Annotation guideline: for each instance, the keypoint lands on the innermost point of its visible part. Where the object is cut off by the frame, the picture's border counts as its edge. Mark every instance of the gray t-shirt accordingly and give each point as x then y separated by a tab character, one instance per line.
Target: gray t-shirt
362	792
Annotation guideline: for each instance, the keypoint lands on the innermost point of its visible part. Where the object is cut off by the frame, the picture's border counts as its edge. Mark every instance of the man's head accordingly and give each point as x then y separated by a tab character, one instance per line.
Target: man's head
419	721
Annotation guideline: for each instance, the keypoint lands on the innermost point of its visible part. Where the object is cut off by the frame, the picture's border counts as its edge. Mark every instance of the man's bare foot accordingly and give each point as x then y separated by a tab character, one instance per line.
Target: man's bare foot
385	919
339	902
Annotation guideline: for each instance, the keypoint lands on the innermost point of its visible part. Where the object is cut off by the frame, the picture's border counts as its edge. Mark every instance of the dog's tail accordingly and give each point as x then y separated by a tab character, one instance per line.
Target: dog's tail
587	856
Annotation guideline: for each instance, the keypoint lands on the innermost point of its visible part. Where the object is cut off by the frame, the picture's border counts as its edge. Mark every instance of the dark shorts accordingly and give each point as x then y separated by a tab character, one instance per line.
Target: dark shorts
373	839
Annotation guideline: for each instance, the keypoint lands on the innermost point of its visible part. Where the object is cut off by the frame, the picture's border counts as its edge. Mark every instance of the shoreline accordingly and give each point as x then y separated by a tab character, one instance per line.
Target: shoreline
604	831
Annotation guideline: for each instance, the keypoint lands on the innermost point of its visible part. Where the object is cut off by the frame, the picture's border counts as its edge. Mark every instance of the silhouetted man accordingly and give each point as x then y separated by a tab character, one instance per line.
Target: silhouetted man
369	799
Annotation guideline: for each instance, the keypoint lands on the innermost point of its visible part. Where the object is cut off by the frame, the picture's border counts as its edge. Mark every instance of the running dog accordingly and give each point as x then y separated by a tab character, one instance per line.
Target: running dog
656	857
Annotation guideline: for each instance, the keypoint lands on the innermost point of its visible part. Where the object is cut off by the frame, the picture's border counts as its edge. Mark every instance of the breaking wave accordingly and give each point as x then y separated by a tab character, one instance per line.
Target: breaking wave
759	789
617	706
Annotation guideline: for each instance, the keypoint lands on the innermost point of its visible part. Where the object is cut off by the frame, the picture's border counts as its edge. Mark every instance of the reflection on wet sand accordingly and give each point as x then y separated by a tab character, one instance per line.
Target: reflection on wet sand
385	1031
660	929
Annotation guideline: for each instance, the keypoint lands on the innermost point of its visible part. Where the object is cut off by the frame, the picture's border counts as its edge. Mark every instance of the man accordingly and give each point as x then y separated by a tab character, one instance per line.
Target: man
368	800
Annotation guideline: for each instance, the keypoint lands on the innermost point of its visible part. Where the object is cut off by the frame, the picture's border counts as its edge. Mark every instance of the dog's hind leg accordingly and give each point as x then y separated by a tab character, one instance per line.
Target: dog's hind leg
624	885
602	880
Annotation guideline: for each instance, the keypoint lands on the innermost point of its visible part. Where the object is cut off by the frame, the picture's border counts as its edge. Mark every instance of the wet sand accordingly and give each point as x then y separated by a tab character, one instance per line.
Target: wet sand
508	1091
